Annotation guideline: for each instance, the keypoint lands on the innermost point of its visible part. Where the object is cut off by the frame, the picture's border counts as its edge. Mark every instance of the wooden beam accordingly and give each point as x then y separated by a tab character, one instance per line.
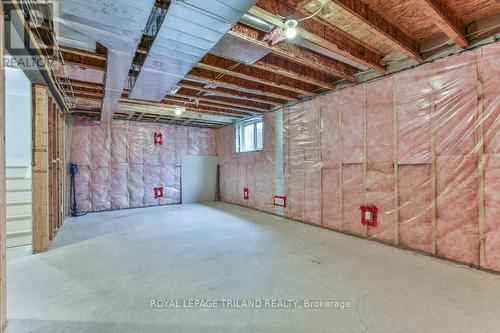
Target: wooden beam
296	54
241	87
446	19
323	35
221	102
40	179
220	65
84	85
380	25
217	92
82	53
285	68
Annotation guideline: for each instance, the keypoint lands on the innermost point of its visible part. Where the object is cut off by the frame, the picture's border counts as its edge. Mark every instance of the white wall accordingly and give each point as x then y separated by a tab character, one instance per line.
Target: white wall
18	117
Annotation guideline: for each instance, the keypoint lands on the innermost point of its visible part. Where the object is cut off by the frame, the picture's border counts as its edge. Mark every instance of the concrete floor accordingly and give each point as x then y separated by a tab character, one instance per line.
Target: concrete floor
104	269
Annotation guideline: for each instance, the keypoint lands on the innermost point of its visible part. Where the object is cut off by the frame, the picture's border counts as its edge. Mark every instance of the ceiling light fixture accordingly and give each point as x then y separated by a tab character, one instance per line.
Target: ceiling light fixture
179	110
291	28
291	25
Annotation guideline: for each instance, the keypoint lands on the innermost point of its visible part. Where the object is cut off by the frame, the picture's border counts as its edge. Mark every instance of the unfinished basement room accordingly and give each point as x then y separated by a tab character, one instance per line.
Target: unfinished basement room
250	166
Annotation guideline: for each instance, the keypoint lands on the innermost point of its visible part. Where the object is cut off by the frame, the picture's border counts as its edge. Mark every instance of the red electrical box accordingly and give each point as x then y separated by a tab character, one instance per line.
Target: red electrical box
158	139
369	215
280	201
158	192
246	194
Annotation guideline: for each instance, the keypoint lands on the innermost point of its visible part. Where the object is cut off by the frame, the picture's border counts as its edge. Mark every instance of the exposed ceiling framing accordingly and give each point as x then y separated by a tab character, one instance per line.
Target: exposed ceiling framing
254	69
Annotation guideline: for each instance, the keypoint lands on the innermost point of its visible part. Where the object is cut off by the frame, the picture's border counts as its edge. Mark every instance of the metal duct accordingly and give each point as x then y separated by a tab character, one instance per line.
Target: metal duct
116	24
190	30
240	49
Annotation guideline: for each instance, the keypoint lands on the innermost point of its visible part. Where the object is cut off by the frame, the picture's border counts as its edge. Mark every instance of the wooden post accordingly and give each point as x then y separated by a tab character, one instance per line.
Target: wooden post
433	173
3	228
40	192
480	148
50	153
341	172
60	167
365	148
395	121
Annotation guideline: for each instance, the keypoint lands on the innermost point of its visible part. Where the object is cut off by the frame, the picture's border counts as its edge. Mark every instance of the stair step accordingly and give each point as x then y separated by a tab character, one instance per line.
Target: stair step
18	184
18	190
19	225
16	210
18	218
20	240
16	171
19	234
18	196
19	203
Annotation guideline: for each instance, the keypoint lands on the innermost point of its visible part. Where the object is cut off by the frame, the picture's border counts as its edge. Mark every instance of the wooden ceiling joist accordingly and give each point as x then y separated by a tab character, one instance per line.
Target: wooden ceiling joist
221	102
218	92
240	87
376	22
242	71
445	18
84	85
82	53
296	54
318	33
282	67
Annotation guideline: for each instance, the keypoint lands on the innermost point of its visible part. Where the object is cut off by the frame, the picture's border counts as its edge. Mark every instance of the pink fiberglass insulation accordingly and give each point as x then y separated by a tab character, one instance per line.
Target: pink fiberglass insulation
414	102
415	227
151	181
491	130
457	208
352	199
119	141
455	85
101	188
380	192
380	127
120	165
80	145
136	143
151	151
82	189
264	182
101	147
136	188
312	199
491	86
181	143
331	130
332	212
352	104
119	186
491	212
421	133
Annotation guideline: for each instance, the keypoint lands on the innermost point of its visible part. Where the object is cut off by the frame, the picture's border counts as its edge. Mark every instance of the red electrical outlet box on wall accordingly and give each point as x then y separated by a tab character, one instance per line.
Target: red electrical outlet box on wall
158	139
158	192
280	201
369	215
246	194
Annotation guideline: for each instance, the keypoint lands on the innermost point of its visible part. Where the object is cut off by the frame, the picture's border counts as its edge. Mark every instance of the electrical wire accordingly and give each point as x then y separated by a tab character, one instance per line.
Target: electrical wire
323	3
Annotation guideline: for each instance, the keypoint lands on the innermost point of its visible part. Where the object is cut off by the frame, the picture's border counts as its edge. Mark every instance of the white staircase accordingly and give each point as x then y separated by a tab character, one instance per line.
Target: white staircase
18	206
